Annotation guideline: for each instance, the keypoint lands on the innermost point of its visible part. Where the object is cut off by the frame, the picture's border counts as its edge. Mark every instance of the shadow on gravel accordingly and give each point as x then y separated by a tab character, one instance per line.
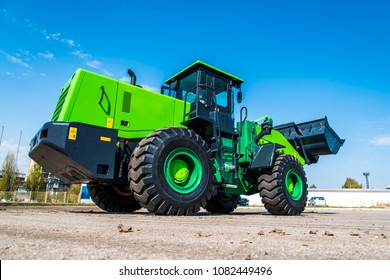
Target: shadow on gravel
241	212
97	212
145	213
319	213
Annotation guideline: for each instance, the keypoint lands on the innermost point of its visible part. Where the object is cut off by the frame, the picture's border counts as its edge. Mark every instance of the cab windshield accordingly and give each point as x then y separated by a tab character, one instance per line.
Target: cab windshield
211	89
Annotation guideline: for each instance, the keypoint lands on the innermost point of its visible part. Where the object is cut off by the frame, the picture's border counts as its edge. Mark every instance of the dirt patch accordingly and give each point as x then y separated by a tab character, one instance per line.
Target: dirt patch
64	232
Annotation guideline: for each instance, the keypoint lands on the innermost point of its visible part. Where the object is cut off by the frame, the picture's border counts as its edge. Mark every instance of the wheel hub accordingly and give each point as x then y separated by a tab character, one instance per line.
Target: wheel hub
179	171
183	171
294	184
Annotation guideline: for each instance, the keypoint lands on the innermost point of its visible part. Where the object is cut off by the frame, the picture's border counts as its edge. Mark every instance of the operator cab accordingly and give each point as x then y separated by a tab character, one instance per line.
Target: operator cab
210	92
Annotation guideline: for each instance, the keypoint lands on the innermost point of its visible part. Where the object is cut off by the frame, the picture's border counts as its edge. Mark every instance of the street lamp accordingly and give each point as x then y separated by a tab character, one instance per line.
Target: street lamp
366	174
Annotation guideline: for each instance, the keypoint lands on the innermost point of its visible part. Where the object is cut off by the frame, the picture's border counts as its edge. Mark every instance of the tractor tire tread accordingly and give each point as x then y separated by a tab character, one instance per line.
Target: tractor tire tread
106	198
141	169
273	192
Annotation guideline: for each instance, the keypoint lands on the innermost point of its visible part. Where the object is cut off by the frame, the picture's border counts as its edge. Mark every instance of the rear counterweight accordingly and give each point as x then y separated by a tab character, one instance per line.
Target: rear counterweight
76	152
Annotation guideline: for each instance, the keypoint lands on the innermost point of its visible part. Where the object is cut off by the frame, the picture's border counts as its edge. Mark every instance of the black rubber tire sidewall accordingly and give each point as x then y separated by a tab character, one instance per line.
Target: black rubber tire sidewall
161	182
222	204
146	172
273	191
108	199
297	204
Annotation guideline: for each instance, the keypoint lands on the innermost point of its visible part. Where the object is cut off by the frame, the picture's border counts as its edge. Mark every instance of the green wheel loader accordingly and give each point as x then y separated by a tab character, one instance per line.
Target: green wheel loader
179	150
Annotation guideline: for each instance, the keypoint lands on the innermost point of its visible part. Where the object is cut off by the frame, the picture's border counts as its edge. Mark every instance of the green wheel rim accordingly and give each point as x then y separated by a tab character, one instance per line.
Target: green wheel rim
183	170
294	184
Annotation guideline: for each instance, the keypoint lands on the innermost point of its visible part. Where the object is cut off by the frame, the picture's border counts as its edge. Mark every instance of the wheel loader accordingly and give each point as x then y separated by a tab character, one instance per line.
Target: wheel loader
179	150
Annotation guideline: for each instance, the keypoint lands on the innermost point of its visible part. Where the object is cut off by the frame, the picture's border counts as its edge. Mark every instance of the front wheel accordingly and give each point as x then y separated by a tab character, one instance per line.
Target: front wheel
284	188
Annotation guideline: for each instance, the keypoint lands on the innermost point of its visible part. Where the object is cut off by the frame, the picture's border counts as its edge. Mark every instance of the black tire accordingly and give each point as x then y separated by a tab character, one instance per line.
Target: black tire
222	203
284	188
154	179
113	198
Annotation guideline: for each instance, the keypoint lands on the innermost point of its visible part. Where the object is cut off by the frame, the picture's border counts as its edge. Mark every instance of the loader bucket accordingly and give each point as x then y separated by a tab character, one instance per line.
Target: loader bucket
312	139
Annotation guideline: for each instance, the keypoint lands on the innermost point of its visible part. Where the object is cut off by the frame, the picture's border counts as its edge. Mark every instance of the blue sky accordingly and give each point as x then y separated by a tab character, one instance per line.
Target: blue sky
301	60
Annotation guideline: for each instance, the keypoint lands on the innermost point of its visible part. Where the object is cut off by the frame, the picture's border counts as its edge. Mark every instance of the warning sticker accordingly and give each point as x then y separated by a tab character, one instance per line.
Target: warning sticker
109	122
106	139
72	133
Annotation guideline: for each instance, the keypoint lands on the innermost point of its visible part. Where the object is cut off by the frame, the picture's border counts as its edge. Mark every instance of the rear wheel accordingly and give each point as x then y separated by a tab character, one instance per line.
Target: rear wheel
284	188
113	198
171	172
223	203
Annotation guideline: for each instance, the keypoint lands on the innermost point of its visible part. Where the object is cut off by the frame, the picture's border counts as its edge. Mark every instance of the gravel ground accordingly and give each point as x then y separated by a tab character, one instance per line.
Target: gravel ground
88	233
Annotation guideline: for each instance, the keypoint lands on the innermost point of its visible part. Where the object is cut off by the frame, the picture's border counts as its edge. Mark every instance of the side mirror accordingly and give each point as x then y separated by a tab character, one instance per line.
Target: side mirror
239	97
174	85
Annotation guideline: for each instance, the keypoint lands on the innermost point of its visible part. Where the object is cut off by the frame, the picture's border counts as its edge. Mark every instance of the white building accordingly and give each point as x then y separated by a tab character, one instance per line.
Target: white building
353	197
344	197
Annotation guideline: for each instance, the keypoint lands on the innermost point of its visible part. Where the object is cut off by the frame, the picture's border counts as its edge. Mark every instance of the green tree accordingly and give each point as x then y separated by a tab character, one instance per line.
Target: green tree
10	172
35	179
351	184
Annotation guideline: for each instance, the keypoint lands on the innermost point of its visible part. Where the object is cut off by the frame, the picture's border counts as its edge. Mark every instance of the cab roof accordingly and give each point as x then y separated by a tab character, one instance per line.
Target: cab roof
202	64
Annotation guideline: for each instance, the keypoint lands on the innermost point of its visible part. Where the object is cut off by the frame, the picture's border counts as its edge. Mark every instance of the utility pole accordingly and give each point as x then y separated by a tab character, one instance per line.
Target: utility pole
17	153
1	136
366	174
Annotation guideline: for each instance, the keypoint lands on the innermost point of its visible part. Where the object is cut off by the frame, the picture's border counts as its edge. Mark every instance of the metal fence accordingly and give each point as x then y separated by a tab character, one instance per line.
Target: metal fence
40	197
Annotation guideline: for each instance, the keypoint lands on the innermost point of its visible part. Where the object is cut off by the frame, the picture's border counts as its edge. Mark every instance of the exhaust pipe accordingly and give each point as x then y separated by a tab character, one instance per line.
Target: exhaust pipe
133	78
